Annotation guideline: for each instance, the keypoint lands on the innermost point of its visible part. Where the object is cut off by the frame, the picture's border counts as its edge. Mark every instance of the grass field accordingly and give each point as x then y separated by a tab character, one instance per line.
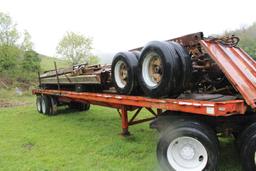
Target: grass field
81	141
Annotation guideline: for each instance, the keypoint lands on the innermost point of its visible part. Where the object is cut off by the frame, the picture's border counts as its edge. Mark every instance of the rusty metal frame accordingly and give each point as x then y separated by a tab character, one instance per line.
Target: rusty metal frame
187	40
57	75
238	67
39	80
124	104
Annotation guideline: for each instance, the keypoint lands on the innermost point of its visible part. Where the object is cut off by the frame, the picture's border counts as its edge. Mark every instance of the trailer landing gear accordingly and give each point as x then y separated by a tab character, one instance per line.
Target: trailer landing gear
125	124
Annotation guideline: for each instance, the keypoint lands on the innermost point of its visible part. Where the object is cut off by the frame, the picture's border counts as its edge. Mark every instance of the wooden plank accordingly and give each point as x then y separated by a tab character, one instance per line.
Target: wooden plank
65	79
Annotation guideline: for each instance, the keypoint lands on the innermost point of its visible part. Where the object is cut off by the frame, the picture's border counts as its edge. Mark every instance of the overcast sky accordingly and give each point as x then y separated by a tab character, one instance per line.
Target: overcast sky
117	25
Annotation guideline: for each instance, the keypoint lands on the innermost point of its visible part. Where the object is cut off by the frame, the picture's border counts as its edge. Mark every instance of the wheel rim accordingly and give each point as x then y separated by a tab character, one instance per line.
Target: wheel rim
255	158
121	74
187	154
152	69
43	106
38	104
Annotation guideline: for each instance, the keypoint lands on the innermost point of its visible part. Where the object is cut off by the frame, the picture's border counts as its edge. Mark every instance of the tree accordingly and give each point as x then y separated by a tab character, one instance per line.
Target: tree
8	57
26	44
93	60
9	52
31	61
8	32
17	59
247	37
75	47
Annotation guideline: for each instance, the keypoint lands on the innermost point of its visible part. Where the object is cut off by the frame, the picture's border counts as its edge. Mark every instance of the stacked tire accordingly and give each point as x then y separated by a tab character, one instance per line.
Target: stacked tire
124	72
161	69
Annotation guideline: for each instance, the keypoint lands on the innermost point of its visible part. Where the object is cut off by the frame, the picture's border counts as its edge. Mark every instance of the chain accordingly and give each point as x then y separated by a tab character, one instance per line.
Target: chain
230	41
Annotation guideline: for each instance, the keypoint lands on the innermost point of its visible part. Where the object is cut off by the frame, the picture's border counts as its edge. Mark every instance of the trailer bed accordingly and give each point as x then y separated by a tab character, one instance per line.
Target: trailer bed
222	108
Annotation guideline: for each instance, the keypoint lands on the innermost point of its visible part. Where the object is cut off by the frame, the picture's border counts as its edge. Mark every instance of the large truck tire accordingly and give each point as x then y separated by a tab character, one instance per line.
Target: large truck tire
246	143
123	68
159	69
186	68
39	103
245	134
137	54
248	154
46	105
188	146
54	105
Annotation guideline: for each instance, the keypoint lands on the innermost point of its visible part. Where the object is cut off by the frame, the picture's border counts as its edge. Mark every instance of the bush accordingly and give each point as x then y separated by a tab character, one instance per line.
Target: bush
31	61
9	58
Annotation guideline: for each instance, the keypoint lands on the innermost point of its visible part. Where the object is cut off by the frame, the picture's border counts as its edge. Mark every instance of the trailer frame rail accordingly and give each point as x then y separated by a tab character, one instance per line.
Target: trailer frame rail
124	104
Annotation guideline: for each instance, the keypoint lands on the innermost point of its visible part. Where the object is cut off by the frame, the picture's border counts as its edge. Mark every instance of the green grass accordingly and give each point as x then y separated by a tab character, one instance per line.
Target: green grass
82	141
47	63
10	96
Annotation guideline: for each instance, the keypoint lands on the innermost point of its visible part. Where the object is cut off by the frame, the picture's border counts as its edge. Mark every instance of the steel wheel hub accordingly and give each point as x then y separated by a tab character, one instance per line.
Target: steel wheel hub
187	154
43	106
38	105
152	69
121	74
255	158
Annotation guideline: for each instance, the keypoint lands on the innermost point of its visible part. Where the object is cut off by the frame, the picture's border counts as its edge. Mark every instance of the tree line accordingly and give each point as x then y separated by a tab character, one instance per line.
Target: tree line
17	56
247	37
19	60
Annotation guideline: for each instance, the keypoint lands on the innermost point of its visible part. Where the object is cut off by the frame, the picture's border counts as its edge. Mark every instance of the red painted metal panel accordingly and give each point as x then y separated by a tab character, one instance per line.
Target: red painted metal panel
209	108
238	67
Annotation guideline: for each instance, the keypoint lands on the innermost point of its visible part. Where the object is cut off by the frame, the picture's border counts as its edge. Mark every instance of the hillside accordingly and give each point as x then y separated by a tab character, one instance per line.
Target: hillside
247	37
47	63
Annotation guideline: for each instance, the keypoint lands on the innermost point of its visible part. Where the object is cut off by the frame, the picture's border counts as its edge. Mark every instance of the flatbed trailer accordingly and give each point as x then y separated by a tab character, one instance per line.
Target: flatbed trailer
125	103
188	126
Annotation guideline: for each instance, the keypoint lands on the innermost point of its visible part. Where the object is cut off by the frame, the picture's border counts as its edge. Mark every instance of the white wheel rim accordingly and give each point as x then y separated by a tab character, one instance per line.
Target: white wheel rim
121	74
38	104
150	71
255	158
187	154
43	106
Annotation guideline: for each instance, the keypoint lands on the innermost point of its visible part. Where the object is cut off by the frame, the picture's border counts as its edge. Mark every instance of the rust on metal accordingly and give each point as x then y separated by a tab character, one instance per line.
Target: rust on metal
187	40
238	67
222	108
81	79
39	79
125	123
135	115
57	75
79	74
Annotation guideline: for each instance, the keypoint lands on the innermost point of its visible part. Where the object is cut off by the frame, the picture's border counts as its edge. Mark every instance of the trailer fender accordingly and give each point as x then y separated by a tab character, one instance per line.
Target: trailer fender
166	119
